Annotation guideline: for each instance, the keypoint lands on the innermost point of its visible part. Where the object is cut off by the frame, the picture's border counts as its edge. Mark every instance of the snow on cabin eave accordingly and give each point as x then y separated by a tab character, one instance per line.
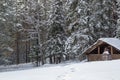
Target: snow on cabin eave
115	42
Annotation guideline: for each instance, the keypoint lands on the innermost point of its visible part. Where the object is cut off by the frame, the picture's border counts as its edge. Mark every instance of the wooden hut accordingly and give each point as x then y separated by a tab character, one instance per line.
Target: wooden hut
95	52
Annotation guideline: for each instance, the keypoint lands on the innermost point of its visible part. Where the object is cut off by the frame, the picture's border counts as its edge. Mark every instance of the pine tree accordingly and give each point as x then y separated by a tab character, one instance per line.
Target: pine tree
56	35
102	22
118	21
88	20
35	19
6	30
76	22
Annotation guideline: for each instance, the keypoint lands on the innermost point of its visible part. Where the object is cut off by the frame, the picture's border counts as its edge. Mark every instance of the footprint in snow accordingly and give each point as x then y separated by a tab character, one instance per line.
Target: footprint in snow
66	76
72	69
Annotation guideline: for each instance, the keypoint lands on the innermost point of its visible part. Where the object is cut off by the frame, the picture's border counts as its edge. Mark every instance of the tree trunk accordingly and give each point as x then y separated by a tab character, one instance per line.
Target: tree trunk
17	48
54	57
50	59
26	52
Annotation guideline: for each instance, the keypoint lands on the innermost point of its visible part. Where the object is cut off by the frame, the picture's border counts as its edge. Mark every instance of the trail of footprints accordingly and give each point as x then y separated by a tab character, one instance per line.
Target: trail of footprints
66	75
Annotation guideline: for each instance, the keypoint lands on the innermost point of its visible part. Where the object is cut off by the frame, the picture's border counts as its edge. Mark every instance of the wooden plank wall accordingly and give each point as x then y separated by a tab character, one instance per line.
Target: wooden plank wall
99	57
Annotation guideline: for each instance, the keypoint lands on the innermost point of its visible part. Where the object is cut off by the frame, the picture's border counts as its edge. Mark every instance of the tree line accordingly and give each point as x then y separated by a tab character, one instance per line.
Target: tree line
53	31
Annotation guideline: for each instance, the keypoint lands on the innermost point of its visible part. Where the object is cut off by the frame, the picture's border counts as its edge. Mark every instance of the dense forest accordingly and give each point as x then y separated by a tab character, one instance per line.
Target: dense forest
53	31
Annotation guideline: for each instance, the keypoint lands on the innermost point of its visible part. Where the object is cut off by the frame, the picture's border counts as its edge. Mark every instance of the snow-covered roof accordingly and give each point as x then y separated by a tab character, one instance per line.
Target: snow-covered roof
112	41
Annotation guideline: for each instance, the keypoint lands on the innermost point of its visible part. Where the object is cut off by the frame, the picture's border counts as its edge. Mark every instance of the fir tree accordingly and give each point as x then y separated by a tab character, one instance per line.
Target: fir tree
6	30
102	21
88	20
56	37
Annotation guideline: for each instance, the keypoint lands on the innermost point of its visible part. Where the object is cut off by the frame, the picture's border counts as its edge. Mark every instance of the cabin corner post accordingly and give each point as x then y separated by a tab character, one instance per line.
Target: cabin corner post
88	57
98	49
111	50
99	56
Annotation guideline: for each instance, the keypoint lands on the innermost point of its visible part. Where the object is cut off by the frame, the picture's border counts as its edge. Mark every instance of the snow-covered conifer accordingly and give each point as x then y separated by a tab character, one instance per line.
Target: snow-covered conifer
56	34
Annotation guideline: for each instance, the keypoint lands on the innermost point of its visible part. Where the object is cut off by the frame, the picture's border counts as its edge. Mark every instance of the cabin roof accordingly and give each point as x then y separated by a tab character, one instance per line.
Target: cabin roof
111	41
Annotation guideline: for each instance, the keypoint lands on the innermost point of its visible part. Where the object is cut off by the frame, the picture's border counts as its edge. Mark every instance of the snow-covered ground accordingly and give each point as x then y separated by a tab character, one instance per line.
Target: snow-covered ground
102	70
16	67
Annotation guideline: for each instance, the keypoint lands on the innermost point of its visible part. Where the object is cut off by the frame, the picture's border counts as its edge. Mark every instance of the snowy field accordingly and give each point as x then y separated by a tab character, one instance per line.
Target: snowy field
102	70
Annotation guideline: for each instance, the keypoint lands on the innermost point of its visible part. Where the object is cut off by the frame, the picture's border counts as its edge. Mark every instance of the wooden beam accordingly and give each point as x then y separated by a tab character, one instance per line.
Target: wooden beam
98	49
111	50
